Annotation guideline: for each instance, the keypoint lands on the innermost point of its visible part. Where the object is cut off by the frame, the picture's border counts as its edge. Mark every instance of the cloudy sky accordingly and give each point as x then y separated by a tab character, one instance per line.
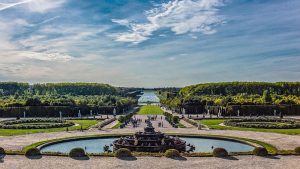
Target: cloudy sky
149	43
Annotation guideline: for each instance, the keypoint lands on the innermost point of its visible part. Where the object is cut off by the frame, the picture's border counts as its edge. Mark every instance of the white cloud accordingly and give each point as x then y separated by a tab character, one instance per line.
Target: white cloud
4	6
180	16
40	6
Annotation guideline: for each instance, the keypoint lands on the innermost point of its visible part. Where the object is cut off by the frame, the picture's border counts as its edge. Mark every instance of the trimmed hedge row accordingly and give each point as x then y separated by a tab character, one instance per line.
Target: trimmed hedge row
267	123
25	124
104	123
173	120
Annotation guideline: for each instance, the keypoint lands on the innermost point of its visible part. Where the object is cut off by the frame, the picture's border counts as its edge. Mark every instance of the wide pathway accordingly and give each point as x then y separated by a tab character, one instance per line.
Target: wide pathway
240	162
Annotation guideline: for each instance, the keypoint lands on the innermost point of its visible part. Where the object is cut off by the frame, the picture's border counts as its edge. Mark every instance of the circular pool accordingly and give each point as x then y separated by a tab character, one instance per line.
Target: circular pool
95	145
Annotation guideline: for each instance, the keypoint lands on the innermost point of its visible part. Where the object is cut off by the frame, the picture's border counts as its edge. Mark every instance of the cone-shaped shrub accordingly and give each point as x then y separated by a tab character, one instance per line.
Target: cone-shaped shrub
123	152
77	152
2	151
33	152
172	153
260	151
220	152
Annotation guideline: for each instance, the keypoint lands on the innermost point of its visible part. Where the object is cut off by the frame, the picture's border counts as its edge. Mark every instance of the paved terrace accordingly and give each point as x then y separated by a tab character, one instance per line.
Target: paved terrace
244	162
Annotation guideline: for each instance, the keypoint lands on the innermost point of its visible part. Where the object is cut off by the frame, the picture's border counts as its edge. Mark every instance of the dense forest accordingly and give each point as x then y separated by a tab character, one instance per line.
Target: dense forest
234	88
71	95
230	94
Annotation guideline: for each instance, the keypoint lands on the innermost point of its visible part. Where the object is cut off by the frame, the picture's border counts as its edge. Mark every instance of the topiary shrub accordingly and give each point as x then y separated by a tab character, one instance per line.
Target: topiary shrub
123	152
175	119
220	152
33	152
171	153
2	151
77	152
260	151
297	150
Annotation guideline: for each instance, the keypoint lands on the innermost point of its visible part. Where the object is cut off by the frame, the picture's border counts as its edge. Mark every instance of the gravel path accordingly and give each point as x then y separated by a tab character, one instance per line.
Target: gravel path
240	162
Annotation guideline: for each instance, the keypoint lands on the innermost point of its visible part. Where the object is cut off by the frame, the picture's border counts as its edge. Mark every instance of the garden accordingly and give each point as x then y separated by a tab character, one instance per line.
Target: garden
29	126
282	126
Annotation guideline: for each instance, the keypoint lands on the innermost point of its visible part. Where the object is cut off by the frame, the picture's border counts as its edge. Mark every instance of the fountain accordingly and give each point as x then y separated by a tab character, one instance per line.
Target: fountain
150	141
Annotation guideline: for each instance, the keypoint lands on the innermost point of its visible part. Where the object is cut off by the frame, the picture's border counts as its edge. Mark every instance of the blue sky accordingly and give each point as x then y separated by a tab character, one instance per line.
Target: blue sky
156	43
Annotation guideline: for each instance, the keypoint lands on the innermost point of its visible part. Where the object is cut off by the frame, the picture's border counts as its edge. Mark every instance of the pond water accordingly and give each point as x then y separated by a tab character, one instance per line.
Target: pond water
96	145
148	96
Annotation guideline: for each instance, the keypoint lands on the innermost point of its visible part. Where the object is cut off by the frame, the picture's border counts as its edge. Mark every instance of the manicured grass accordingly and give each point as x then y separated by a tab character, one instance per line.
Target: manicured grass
84	123
214	124
180	125
117	125
150	110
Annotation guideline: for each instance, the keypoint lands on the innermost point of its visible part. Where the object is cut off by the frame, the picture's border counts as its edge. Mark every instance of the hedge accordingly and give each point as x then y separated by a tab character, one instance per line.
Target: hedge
77	152
260	151
25	124
220	152
172	153
33	152
123	152
263	123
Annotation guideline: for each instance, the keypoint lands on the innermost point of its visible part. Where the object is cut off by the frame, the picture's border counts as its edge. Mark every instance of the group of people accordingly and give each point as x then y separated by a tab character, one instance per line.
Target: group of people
135	122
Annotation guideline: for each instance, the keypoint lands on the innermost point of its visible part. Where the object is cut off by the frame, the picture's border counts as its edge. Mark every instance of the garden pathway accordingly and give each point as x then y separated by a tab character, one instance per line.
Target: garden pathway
244	162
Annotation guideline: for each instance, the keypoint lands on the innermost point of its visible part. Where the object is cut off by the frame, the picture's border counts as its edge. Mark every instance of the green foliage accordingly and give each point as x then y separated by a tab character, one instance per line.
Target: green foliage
260	151
215	124
2	151
33	152
170	118
75	89
175	119
220	152
85	124
234	88
267	123
297	150
77	152
267	97
35	124
123	152
171	153
150	110
104	123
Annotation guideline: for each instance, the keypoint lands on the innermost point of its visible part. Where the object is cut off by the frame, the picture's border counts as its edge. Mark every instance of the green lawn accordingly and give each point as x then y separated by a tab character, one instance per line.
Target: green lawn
214	124
117	125
150	110
84	123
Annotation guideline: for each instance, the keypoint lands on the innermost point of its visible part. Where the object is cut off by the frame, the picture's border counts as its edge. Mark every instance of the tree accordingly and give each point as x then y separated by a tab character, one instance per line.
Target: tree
267	97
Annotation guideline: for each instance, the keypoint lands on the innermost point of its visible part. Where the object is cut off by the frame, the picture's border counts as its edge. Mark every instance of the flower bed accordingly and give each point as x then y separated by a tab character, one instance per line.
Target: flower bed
35	124
267	123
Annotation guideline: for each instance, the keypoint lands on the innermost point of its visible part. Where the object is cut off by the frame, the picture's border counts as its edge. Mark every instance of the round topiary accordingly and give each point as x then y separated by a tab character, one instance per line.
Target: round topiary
297	150
123	152
33	152
172	153
77	152
260	151
220	152
2	151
